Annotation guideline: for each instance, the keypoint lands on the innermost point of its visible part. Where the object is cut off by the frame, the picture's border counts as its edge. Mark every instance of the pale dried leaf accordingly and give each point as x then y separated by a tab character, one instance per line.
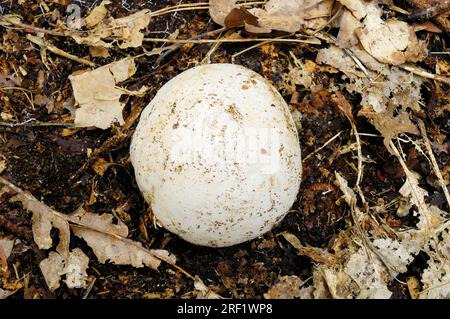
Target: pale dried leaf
6	293
97	14
2	166
436	277
316	254
75	269
128	29
346	37
52	269
203	291
287	287
357	7
220	9
105	237
102	223
349	195
337	58
7	245
390	41
98	96
43	220
369	274
119	251
109	243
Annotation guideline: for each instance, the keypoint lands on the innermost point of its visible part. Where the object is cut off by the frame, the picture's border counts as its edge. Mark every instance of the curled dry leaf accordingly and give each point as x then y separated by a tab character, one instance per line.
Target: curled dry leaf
204	292
388	124
6	247
97	14
346	37
316	254
126	31
109	242
384	102
287	287
98	96
436	277
2	166
280	15
390	41
220	9
6	293
106	238
358	8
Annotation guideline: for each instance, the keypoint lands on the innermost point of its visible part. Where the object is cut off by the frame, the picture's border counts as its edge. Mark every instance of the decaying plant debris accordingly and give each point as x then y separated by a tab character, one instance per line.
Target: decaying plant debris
367	82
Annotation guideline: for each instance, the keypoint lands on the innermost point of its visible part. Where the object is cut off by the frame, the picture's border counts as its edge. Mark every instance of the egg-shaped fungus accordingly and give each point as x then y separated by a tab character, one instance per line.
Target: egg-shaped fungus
216	155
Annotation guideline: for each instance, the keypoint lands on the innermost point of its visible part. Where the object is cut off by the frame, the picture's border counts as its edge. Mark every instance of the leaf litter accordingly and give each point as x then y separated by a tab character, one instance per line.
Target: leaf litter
372	57
107	240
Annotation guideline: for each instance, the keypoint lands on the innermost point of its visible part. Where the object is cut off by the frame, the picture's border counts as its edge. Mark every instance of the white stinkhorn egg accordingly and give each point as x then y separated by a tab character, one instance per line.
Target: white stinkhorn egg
216	155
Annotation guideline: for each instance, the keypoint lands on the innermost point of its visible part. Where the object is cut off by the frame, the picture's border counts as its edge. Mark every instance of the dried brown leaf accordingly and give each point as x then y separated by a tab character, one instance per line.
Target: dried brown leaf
204	292
287	287
316	254
100	166
108	242
126	31
358	8
2	166
389	41
98	96
220	9
280	15
413	287
106	238
346	37
388	124
6	246
97	14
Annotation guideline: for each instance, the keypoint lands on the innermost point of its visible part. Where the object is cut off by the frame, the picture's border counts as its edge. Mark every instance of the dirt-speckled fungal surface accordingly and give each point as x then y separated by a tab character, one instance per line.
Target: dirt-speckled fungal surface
217	156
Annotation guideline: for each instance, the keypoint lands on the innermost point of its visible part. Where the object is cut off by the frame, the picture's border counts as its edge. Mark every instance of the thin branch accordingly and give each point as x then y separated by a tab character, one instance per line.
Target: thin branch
433	161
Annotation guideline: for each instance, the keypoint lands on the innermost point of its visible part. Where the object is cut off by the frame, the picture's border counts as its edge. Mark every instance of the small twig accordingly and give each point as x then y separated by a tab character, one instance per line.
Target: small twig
336	15
30	123
425	74
331	39
323	146
30	99
426	14
433	161
89	288
233	57
201	41
175	47
30	27
44	45
207	58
